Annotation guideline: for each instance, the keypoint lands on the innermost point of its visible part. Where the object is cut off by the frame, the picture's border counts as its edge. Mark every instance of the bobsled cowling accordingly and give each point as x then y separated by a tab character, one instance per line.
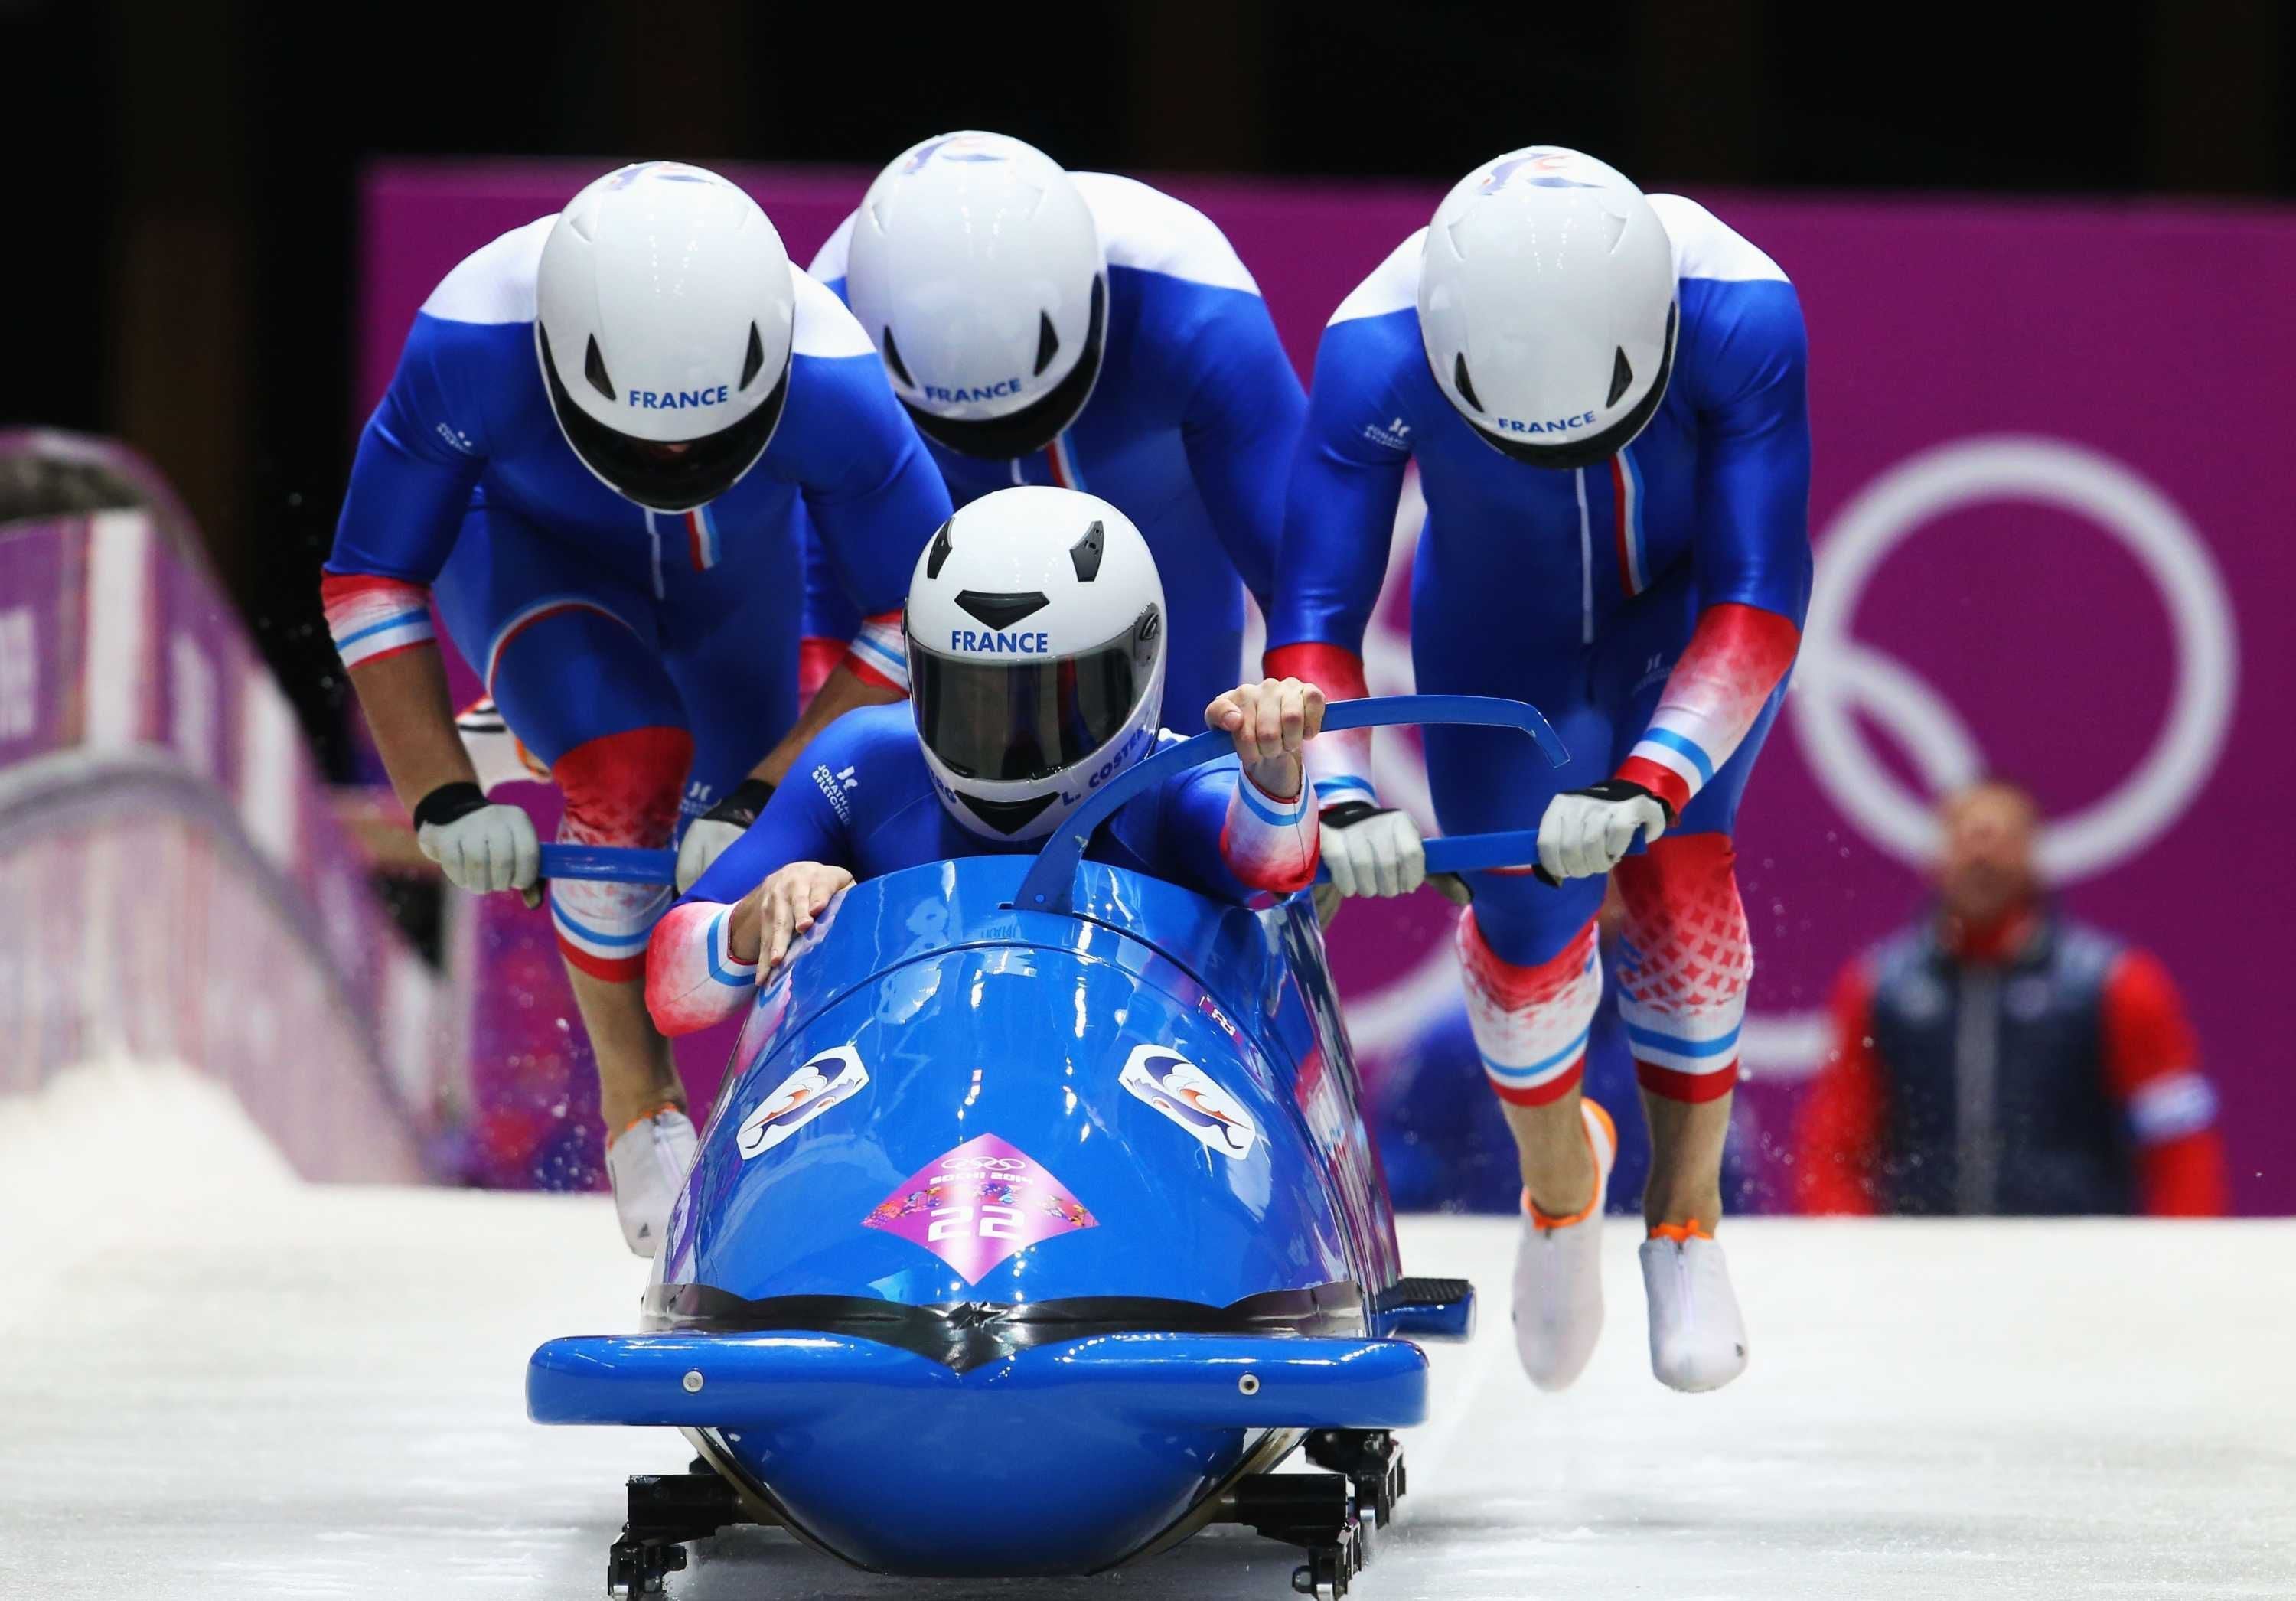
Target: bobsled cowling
855	1352
1016	1235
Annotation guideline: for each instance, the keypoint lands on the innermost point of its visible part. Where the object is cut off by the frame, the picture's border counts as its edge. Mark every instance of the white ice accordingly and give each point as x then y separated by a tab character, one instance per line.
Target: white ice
218	1381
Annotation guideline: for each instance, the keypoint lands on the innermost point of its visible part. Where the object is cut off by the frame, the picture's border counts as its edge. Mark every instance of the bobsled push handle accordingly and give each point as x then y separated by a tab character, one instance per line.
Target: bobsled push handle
610	864
1050	882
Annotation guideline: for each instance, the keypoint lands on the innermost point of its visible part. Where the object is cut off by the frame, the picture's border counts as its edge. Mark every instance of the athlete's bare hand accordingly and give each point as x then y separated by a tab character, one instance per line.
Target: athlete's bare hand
776	915
1271	722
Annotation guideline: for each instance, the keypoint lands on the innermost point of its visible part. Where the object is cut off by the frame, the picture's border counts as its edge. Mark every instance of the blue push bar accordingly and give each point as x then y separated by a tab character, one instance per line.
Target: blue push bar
610	864
1048	885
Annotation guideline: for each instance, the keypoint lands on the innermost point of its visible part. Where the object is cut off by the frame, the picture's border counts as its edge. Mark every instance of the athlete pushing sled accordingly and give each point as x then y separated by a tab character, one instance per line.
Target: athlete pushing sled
1603	391
606	434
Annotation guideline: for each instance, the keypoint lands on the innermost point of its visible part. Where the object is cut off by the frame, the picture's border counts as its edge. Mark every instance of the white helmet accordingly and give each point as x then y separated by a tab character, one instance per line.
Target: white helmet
1035	639
976	267
1547	303
664	315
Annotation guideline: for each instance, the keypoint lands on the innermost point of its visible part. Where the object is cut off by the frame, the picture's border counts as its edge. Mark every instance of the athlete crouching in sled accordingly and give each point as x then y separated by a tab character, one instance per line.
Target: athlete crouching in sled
1604	395
1035	635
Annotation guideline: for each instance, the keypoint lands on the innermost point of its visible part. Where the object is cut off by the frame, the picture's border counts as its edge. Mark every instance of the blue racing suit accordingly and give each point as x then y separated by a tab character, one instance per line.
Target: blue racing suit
1190	429
1651	605
646	656
861	797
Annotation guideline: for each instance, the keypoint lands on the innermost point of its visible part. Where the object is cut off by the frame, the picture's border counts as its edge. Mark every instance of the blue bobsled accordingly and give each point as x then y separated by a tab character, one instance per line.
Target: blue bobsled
1036	1220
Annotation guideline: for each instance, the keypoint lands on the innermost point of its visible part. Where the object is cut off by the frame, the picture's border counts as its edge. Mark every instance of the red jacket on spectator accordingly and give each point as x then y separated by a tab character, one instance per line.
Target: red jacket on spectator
2033	1066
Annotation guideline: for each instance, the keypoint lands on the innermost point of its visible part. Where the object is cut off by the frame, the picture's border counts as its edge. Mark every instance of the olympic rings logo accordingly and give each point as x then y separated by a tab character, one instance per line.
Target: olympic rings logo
1838	676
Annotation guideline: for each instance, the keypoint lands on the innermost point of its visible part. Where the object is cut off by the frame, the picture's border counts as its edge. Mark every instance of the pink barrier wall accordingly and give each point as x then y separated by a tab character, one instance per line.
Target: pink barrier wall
2048	507
172	884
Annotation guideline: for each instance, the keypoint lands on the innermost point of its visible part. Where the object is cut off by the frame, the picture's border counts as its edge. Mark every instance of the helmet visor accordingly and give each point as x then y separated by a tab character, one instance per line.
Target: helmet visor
673	476
998	720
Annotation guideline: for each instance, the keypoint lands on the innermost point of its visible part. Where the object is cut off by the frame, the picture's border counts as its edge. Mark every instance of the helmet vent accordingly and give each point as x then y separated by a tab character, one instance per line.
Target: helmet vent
1622	375
893	359
754	361
1086	553
939	552
1048	343
593	368
1459	379
1000	610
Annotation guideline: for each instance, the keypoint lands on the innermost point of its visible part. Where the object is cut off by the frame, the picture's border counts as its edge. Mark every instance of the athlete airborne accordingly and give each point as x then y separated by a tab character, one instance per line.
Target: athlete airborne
1604	392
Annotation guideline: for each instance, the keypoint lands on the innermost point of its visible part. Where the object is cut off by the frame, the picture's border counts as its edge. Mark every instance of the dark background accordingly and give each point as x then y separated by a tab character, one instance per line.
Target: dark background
181	203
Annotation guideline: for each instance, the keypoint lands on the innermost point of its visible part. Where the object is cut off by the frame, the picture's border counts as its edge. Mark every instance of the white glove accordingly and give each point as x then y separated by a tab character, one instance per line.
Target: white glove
705	840
477	845
1585	832
709	834
1372	849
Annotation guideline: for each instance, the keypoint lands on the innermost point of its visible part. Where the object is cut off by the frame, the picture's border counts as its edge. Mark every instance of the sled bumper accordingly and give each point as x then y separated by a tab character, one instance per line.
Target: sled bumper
677	1380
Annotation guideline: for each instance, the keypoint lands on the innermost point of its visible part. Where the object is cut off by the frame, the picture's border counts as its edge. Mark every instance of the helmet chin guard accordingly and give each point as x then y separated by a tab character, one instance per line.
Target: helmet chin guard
1036	641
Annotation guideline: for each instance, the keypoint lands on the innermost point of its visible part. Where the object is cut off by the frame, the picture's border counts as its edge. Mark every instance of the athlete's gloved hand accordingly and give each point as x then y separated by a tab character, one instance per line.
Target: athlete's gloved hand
1585	832
478	845
709	834
1372	849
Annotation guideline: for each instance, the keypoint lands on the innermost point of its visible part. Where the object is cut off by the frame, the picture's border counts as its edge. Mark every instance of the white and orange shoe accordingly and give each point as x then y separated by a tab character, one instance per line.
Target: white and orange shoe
646	1164
497	755
1697	1337
1558	1273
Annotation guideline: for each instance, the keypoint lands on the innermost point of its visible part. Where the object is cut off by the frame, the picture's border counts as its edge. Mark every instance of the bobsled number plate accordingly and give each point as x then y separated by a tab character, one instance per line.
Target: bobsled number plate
978	1205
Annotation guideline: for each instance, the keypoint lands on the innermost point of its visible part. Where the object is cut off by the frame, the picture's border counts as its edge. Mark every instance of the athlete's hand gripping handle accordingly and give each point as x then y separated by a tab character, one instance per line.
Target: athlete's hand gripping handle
1586	832
709	834
1050	882
1372	849
480	845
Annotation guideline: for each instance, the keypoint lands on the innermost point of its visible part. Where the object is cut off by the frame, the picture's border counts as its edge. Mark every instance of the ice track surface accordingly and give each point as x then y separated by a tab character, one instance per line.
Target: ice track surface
218	1381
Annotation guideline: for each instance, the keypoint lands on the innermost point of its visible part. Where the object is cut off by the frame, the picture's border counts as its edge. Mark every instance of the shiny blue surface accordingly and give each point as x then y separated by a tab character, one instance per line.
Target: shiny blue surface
1059	1459
972	1016
1429	1320
1171	1381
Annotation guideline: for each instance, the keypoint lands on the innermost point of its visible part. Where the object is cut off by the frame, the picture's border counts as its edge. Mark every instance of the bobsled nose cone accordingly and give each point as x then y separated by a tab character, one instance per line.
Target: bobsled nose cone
1058	1459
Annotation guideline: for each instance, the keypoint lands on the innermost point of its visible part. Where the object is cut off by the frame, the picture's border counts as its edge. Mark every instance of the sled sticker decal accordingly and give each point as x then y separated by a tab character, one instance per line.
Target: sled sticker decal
1209	1008
830	1078
983	1201
1187	1094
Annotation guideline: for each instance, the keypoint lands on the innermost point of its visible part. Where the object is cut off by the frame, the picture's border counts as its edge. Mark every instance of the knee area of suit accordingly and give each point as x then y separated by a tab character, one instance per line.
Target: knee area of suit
624	788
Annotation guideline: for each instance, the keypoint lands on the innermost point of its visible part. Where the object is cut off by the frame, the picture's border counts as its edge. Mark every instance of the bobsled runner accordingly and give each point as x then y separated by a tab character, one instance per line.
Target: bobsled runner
1036	1220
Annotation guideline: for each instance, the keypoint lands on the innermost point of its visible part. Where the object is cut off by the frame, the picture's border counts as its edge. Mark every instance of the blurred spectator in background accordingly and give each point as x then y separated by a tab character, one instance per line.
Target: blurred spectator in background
1998	1058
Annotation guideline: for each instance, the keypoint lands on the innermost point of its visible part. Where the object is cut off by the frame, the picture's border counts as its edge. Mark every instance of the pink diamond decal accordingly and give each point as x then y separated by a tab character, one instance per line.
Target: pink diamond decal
979	1204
